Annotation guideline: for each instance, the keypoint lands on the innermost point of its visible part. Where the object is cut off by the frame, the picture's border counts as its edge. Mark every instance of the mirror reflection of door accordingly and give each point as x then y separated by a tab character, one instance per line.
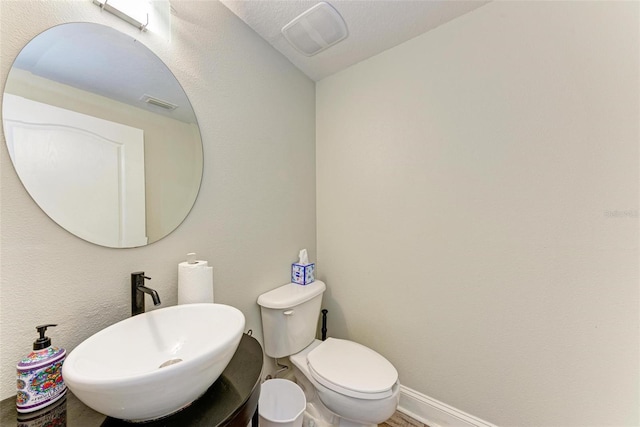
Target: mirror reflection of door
86	173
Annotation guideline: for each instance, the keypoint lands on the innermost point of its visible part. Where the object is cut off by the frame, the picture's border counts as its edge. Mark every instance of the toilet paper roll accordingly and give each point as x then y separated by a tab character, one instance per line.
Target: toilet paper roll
195	282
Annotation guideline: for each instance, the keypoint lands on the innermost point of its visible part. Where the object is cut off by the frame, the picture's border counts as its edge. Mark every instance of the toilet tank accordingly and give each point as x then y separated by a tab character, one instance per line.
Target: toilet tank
290	317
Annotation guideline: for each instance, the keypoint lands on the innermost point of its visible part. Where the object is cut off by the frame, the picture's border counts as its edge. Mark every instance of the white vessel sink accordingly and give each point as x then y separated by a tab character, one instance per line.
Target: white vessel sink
154	364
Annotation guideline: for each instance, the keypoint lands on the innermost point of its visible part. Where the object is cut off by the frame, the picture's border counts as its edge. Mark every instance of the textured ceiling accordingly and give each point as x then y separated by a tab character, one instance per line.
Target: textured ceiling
373	25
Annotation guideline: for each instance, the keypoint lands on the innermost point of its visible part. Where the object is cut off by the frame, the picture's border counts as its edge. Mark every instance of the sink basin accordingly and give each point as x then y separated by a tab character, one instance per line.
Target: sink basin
154	364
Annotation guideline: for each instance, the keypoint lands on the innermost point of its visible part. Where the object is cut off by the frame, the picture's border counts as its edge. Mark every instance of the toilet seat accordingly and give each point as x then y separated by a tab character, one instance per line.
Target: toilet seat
352	369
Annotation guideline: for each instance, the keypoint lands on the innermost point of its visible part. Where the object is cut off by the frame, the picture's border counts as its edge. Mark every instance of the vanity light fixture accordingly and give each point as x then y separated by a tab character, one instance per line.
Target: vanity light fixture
135	12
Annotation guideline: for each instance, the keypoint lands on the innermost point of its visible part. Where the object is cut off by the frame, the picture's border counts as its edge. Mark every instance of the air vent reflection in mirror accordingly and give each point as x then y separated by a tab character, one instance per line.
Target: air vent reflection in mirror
158	102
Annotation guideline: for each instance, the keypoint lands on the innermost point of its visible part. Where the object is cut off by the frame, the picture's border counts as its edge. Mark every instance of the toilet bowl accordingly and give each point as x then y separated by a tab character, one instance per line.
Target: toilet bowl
345	383
363	389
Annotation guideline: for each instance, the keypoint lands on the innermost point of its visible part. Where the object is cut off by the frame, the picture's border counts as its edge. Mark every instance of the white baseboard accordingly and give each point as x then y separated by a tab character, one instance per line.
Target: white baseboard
435	413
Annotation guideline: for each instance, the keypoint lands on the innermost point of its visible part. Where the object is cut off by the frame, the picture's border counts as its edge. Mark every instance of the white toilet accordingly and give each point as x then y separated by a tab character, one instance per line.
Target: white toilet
345	383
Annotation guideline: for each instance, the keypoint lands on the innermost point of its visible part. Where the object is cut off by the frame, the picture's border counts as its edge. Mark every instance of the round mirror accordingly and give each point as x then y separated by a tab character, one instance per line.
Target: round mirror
102	135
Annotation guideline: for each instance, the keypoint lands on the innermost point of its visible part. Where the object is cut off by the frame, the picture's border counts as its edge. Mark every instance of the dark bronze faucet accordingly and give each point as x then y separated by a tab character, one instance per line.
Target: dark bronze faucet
138	289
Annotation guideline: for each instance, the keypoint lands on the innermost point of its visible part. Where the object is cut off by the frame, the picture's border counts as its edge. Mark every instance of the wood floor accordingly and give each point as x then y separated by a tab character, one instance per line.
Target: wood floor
401	420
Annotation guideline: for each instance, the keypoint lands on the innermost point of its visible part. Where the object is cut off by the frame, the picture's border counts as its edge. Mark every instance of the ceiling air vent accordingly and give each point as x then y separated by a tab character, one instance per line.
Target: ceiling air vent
316	29
158	102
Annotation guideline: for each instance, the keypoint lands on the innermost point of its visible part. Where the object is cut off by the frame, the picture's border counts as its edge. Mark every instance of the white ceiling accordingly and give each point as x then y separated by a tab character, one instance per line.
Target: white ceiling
373	25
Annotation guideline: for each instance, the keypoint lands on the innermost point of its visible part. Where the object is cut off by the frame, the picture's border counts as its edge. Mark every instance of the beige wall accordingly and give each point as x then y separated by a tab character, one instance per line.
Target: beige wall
477	193
256	206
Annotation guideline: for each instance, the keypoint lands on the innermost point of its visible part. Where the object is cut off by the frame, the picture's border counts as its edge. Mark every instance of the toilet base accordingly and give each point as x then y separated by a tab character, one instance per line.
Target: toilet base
315	417
316	414
347	423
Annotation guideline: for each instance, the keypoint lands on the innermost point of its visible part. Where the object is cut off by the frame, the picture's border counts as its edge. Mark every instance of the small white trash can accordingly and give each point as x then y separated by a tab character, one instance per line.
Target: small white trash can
281	404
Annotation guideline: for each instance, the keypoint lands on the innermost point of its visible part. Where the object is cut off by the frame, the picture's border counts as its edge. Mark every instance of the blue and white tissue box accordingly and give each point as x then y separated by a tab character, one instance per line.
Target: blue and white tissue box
302	274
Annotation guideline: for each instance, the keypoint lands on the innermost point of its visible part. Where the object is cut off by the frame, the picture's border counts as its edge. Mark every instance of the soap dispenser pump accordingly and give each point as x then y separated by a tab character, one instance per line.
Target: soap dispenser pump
39	378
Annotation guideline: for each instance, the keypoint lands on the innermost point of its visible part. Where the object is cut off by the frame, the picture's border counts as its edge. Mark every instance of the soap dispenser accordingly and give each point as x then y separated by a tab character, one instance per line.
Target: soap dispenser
40	380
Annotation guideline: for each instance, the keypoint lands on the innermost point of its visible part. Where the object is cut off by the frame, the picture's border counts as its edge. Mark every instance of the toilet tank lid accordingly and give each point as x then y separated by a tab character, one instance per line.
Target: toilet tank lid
290	295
